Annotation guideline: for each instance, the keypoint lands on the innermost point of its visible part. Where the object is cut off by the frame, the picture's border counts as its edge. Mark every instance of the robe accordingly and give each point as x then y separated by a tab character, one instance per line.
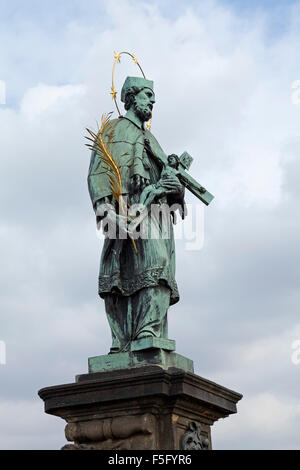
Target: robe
137	287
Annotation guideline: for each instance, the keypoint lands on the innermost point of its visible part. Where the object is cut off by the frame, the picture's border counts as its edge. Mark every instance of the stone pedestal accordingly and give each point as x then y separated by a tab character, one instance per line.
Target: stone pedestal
139	408
143	352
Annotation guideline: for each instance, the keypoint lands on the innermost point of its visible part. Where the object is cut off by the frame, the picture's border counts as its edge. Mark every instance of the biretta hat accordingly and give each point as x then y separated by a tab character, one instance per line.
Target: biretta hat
135	81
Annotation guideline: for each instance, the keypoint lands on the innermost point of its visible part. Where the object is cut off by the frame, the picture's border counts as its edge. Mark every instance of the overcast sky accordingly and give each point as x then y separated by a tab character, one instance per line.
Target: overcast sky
223	74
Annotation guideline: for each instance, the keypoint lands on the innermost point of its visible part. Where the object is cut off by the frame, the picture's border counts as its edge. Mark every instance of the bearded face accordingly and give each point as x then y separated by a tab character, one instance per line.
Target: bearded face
143	104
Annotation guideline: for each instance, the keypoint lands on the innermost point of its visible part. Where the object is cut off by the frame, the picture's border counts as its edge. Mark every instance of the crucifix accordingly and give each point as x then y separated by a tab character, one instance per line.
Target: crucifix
180	165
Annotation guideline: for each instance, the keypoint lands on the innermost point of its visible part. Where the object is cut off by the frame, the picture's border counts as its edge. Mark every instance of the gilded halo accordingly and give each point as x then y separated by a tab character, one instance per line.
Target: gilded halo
113	91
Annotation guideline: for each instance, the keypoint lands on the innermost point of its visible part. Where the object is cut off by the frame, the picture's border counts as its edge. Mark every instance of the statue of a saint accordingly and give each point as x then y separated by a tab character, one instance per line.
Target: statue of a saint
138	286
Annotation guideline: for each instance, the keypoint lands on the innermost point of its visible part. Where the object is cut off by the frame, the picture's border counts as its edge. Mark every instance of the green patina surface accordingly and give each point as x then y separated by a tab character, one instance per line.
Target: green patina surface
150	342
138	287
159	357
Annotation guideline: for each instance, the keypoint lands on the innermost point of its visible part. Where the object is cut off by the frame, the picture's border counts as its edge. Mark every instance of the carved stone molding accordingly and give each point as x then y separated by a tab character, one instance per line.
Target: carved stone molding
192	439
140	408
121	432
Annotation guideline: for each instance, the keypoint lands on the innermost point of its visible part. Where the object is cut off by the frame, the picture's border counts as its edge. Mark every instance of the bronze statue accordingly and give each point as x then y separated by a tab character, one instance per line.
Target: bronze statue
137	274
137	287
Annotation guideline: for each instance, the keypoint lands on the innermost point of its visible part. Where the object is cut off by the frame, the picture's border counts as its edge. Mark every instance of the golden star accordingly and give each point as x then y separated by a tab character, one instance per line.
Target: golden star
117	56
113	93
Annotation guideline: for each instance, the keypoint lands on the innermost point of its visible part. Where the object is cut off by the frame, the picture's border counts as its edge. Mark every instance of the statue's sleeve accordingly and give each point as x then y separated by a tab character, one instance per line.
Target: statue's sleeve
91	181
139	167
97	180
101	208
122	150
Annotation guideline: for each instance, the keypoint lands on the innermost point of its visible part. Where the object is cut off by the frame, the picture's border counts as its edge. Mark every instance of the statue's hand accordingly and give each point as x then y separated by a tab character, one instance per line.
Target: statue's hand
106	213
150	193
170	182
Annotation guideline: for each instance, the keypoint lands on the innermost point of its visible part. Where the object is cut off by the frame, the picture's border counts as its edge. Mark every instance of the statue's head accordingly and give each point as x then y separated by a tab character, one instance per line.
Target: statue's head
137	94
173	161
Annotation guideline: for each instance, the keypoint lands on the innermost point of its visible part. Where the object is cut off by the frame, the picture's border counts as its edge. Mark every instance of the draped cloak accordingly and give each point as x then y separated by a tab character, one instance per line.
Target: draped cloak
122	270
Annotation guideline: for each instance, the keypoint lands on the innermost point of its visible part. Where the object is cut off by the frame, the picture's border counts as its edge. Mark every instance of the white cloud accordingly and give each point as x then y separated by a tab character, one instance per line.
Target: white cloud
224	95
42	97
263	422
24	426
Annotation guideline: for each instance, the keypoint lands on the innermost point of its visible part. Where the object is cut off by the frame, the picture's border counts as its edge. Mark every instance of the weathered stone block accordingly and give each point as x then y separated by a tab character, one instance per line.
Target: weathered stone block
151	342
151	356
140	408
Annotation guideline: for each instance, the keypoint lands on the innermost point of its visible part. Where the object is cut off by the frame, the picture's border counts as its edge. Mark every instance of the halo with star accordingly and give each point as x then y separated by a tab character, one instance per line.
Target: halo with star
113	91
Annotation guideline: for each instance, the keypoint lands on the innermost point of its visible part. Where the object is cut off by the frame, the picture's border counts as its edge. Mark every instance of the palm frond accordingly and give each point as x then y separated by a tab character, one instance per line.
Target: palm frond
110	165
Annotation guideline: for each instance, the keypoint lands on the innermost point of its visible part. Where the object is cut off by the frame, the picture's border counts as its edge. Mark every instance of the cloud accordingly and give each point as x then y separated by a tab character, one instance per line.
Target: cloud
26	426
265	422
223	94
42	97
